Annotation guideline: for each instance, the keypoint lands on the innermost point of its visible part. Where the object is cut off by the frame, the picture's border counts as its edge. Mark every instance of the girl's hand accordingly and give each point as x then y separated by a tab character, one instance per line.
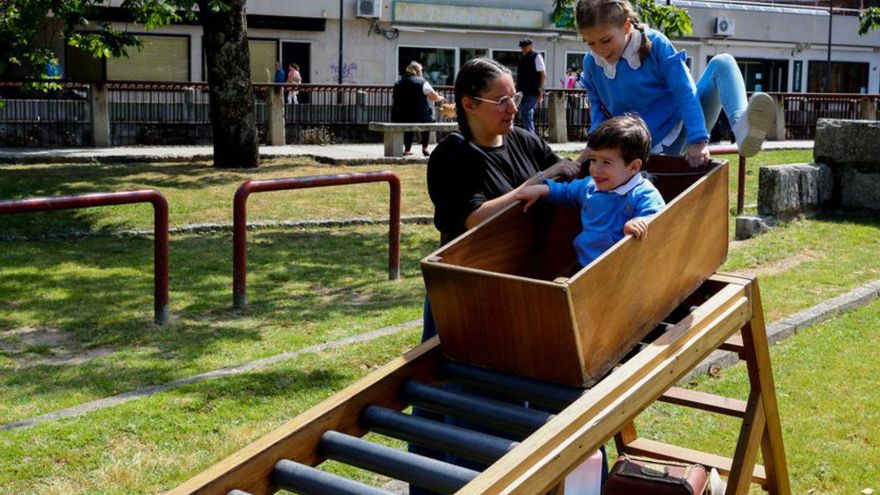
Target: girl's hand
637	227
531	194
563	168
697	154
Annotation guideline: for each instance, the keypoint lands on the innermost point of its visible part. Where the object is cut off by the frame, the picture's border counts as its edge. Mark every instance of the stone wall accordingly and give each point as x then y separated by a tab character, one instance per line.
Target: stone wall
851	148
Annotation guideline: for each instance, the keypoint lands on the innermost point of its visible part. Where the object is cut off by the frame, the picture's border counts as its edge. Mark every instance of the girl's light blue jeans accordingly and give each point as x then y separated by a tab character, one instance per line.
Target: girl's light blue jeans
720	87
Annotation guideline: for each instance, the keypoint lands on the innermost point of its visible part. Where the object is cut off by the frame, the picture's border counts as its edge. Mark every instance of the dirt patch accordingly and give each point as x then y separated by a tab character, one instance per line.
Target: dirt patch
782	265
29	346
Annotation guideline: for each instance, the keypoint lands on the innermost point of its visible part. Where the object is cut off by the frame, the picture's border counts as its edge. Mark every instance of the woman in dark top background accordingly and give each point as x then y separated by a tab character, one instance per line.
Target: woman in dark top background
410	103
475	173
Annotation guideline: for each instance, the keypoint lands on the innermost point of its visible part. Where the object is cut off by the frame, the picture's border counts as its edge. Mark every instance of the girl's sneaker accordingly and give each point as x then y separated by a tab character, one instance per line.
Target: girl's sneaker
751	129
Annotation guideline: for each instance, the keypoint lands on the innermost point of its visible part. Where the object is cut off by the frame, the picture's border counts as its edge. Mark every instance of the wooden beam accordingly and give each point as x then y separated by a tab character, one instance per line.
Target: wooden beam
747	446
734	344
704	402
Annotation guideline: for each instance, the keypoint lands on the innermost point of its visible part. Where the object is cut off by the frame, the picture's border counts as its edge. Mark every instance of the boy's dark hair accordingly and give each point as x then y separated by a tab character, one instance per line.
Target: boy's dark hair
627	133
592	13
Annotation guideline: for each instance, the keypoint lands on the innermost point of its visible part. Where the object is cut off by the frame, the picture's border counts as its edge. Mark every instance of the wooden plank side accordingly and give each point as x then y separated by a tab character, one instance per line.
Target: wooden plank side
249	469
751	433
622	295
505	323
704	402
545	457
664	451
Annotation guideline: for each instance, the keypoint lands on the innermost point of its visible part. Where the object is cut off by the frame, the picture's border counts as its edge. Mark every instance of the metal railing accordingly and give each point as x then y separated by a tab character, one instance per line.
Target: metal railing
143	113
239	236
160	229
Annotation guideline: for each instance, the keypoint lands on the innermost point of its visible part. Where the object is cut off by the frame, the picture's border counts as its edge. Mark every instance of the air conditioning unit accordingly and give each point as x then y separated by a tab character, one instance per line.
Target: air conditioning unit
369	8
724	26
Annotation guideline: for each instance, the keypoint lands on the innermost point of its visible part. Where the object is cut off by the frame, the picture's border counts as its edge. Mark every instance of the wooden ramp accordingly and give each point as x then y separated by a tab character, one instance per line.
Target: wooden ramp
531	450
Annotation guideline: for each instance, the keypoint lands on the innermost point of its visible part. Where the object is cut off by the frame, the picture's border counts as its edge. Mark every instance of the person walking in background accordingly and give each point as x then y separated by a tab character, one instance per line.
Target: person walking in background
293	77
530	77
280	76
410	104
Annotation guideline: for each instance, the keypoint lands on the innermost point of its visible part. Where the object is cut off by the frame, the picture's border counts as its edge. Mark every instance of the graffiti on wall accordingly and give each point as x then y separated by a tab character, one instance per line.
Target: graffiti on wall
348	72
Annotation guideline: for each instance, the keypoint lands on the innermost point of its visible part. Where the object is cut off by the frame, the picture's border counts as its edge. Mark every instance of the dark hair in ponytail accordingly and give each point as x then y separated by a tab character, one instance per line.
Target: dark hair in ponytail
591	13
473	78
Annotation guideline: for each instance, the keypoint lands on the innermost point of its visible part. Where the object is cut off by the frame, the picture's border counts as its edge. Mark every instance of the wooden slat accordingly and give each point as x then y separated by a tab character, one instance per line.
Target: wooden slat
734	344
704	402
659	450
250	468
544	458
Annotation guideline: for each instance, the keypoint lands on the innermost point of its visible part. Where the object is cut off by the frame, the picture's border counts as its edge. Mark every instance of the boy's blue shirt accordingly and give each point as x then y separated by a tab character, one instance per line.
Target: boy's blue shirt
603	214
661	91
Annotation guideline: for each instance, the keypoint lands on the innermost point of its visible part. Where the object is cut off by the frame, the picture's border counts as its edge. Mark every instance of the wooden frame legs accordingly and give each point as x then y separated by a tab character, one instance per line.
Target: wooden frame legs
761	428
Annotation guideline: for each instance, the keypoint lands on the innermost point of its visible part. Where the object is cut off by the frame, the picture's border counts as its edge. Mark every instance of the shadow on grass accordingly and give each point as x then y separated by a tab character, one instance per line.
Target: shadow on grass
301	284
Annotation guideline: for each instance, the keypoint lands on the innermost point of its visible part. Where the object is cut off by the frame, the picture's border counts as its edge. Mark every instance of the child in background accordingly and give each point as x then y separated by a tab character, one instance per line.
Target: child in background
615	199
634	69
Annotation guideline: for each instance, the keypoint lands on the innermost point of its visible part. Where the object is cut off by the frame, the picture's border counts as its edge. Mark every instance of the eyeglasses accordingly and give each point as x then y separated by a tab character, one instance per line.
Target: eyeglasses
516	99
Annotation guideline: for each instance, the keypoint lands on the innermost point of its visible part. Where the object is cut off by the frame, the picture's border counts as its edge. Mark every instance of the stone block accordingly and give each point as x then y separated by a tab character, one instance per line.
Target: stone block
860	190
841	141
748	226
787	191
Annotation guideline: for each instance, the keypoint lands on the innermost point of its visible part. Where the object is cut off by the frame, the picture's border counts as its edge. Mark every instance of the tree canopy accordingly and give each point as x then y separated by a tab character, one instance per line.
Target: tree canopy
870	19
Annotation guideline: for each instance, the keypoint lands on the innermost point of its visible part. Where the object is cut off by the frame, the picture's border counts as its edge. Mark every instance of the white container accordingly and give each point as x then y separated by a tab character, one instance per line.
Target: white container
586	479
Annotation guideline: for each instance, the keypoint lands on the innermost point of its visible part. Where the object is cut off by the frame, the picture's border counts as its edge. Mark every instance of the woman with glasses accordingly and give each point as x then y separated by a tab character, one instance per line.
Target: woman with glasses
474	173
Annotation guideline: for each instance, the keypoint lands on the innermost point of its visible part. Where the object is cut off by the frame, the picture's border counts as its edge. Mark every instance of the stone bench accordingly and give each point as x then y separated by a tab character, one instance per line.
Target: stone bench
394	132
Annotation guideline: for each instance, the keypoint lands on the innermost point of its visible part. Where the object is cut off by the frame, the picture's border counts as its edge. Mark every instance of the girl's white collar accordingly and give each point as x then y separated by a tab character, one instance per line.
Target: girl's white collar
630	54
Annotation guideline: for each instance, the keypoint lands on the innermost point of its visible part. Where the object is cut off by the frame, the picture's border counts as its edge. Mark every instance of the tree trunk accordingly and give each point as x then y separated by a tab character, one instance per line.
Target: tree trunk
233	117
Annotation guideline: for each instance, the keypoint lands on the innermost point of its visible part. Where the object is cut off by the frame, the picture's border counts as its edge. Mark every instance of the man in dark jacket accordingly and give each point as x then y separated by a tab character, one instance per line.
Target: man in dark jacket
530	77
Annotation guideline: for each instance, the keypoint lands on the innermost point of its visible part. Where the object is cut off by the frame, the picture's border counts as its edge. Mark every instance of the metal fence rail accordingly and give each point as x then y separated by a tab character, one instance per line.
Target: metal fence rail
160	228
239	215
175	113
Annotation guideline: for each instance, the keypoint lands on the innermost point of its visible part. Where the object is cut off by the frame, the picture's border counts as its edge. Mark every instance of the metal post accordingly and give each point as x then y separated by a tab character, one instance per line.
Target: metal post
828	63
340	41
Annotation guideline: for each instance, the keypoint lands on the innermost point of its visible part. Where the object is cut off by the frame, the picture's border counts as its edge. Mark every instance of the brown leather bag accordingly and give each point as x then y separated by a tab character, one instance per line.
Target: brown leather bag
642	476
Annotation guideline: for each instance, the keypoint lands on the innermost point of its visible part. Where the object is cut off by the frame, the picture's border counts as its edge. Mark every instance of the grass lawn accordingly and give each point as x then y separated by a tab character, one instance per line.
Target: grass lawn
75	326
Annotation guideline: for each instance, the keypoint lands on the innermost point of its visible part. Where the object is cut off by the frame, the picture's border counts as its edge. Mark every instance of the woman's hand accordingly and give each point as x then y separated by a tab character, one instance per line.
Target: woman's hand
697	154
637	227
563	168
530	194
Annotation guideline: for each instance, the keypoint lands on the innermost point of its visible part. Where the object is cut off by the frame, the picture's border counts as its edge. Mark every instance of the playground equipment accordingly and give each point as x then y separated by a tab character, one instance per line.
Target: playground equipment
669	318
160	229
239	236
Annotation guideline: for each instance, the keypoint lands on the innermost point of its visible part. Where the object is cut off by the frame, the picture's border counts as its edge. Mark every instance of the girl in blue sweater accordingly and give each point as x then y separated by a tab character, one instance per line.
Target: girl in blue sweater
634	69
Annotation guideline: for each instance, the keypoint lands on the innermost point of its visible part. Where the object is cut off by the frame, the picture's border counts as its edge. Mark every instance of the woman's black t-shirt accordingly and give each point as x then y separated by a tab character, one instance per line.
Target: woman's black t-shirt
462	176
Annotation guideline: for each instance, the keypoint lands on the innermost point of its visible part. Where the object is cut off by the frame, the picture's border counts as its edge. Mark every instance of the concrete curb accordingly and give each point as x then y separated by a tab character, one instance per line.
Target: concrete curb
201	228
791	325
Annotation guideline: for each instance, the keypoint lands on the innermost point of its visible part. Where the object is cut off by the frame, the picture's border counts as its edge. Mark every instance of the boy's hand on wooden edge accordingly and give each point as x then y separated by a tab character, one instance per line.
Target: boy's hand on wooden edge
637	227
531	194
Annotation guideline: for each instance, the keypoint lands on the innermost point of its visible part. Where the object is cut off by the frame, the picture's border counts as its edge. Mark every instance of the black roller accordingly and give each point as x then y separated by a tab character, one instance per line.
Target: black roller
475	408
415	469
473	445
306	480
515	387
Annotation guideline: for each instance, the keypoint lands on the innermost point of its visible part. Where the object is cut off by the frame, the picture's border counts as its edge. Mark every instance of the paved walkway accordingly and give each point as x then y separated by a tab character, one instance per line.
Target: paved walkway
337	154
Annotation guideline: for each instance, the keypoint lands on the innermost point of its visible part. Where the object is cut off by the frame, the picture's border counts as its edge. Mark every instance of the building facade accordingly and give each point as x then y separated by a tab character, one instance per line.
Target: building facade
780	47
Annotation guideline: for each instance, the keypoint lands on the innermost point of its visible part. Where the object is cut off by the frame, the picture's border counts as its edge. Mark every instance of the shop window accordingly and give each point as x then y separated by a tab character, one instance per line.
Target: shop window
846	77
438	63
162	58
